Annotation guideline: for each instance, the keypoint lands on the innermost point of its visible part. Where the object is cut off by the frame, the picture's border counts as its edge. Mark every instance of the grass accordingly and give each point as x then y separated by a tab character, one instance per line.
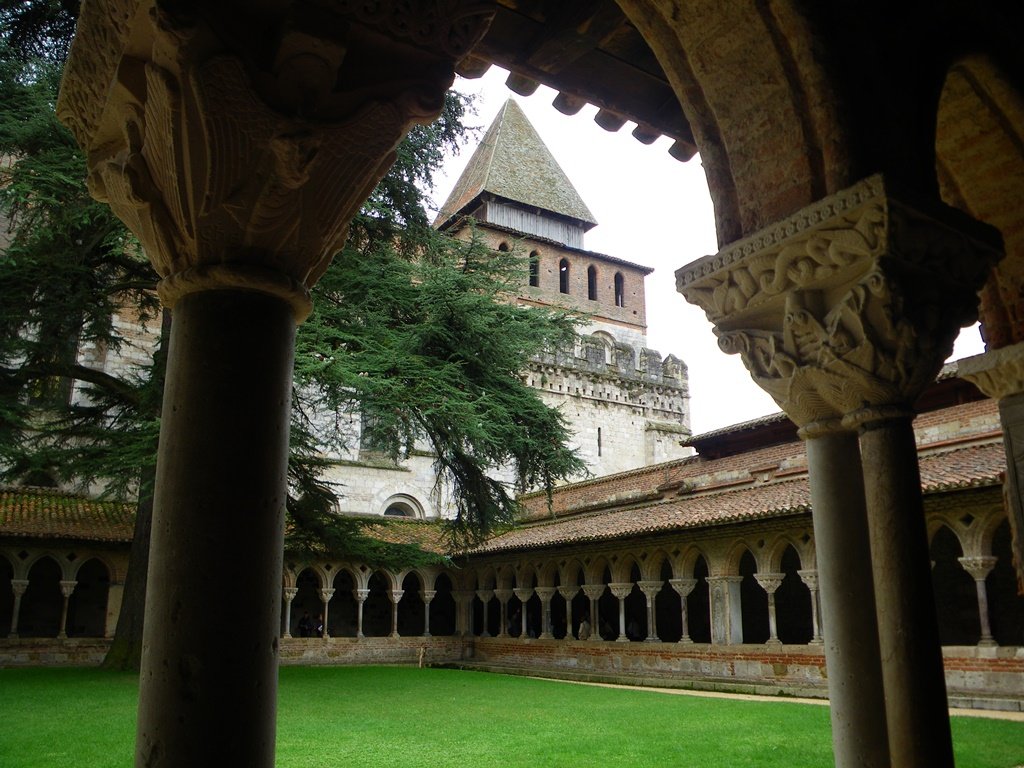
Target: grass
407	718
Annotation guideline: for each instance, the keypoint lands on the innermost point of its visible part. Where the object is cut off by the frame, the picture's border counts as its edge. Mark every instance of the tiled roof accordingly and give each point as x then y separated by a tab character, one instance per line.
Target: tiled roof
428	535
48	513
513	162
958	468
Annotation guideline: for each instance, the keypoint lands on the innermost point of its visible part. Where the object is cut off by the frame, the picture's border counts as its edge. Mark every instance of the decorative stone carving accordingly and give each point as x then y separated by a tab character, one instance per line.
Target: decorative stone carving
621	590
683	586
67	588
239	157
523	593
770	582
290	593
978	567
998	373
19	586
852	302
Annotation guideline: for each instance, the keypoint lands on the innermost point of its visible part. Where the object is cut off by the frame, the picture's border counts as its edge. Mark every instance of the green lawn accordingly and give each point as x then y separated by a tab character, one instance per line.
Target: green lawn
405	718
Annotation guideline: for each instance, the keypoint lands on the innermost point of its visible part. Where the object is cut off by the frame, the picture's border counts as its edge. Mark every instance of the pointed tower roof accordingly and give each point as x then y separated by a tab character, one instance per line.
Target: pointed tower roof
512	162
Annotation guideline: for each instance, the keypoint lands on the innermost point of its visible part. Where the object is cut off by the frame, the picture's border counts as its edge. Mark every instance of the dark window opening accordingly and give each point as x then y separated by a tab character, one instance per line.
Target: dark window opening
534	269
592	283
620	293
563	276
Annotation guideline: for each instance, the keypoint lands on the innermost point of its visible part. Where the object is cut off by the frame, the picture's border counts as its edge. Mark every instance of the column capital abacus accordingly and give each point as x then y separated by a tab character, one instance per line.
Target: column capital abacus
360	595
428	594
724	579
18	586
569	591
545	593
485	595
621	589
770	582
239	159
67	587
852	302
503	595
998	373
326	593
978	567
462	595
683	586
290	593
396	595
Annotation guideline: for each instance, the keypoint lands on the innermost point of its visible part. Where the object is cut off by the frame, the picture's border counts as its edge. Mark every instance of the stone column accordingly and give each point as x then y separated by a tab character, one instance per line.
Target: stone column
325	598
770	582
545	594
980	568
486	595
593	593
18	587
503	595
810	578
463	619
684	587
524	594
568	592
360	595
651	590
427	595
237	160
67	588
289	595
844	313
726	628
396	597
621	591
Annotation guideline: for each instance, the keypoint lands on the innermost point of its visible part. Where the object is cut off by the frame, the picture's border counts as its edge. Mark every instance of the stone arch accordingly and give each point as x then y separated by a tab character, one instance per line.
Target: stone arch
954	591
307	603
87	606
607	345
635	607
793	615
377	606
735	554
549	574
978	125
505	577
753	601
343	609
698	603
411	611
6	595
1006	607
623	567
403	505
443	609
42	603
595	569
606	623
988	533
486	578
656	560
667	603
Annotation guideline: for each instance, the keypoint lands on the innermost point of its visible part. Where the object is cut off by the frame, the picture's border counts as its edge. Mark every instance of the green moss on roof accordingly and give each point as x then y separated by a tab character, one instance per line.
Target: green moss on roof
51	514
513	162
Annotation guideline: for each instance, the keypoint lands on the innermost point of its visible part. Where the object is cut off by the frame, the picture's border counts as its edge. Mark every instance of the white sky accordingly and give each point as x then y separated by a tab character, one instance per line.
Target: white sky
653	210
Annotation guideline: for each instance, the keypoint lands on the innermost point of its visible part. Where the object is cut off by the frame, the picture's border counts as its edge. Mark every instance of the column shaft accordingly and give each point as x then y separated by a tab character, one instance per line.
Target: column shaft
859	736
218	517
915	685
18	586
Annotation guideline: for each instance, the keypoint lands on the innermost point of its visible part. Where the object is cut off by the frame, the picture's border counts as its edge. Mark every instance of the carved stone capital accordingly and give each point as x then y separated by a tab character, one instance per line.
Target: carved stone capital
851	303
593	591
569	591
428	594
770	582
326	595
545	593
998	373
503	595
290	593
19	586
621	590
523	593
396	595
809	577
650	588
485	595
238	145
360	595
67	588
683	586
978	567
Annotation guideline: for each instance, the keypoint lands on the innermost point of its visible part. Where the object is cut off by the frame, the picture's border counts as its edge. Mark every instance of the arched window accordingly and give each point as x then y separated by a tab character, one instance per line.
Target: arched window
620	291
503	247
592	282
534	269
563	276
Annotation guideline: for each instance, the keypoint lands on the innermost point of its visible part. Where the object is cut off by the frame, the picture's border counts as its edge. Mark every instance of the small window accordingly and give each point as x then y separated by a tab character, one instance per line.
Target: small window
598	441
503	247
620	291
563	276
534	269
592	282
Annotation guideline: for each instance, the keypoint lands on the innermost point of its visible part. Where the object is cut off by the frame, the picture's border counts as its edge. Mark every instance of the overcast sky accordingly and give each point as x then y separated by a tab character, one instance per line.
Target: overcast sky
653	210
